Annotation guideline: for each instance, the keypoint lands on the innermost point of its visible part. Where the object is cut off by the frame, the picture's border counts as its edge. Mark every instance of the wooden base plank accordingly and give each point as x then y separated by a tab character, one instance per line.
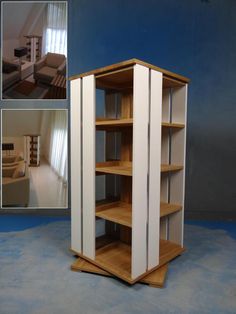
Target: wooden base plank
155	279
115	258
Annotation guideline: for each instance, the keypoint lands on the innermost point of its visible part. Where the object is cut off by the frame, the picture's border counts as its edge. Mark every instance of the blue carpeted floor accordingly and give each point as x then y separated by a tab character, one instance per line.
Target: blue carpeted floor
35	274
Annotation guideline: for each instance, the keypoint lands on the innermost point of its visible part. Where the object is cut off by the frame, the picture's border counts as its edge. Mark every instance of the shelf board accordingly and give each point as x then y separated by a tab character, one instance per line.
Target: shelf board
154	279
171	82
172	125
117	212
170	168
123	168
104	124
121	213
116	80
167	209
116	258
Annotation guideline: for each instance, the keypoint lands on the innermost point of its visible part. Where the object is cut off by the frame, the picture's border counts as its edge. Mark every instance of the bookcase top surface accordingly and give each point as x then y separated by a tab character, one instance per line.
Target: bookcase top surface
129	63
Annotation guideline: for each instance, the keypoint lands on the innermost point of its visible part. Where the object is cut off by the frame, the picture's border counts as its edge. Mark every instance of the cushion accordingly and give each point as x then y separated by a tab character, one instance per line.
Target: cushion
54	60
20	171
8	68
47	71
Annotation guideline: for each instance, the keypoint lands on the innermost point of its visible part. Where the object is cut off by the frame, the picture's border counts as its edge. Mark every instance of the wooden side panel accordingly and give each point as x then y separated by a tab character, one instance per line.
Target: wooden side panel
164	198
140	170
154	168
76	228
165	151
178	151
38	151
166	105
110	142
88	155
178	104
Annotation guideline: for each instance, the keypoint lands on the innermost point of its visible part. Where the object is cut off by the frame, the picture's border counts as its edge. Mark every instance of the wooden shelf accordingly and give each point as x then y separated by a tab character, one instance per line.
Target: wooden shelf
104	124
123	168
172	125
117	80
154	279
171	82
117	212
167	209
170	168
121	213
115	258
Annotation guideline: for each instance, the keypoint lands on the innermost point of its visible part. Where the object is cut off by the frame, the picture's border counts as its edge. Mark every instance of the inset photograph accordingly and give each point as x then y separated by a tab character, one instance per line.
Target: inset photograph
34	158
34	50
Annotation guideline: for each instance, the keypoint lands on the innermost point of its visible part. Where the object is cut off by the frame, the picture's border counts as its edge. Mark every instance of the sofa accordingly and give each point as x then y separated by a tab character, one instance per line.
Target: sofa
15	185
11	73
11	160
49	66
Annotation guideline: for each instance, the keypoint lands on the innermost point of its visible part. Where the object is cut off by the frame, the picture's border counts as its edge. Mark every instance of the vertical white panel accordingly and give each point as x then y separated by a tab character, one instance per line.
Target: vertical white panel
154	168
140	170
88	140
178	152
76	228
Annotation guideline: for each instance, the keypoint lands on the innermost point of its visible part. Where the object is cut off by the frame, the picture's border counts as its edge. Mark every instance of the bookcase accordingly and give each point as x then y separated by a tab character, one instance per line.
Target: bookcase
128	133
32	149
34	46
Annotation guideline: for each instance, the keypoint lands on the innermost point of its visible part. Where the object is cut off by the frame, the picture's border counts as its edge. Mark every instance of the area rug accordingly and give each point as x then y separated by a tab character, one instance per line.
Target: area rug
26	90
35	277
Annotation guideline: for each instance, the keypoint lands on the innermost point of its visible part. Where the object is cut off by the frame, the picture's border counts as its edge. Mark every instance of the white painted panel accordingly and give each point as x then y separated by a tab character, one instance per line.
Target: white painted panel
154	168
76	228
88	159
140	170
178	153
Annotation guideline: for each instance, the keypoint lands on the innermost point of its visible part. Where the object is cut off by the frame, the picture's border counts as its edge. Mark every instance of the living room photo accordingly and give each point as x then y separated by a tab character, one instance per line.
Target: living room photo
34	50
34	158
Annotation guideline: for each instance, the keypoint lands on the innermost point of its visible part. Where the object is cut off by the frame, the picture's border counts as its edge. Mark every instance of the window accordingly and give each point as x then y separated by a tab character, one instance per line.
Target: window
58	149
56	28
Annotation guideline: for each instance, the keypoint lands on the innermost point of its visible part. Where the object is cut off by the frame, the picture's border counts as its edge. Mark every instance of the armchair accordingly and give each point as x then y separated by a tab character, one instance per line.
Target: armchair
15	189
49	66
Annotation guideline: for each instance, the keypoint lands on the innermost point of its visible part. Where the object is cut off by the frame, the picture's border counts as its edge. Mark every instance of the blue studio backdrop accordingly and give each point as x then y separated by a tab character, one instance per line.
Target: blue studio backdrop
195	38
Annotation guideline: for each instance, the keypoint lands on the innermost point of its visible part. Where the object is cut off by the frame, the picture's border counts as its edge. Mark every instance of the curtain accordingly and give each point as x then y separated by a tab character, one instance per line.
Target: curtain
55	30
58	144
